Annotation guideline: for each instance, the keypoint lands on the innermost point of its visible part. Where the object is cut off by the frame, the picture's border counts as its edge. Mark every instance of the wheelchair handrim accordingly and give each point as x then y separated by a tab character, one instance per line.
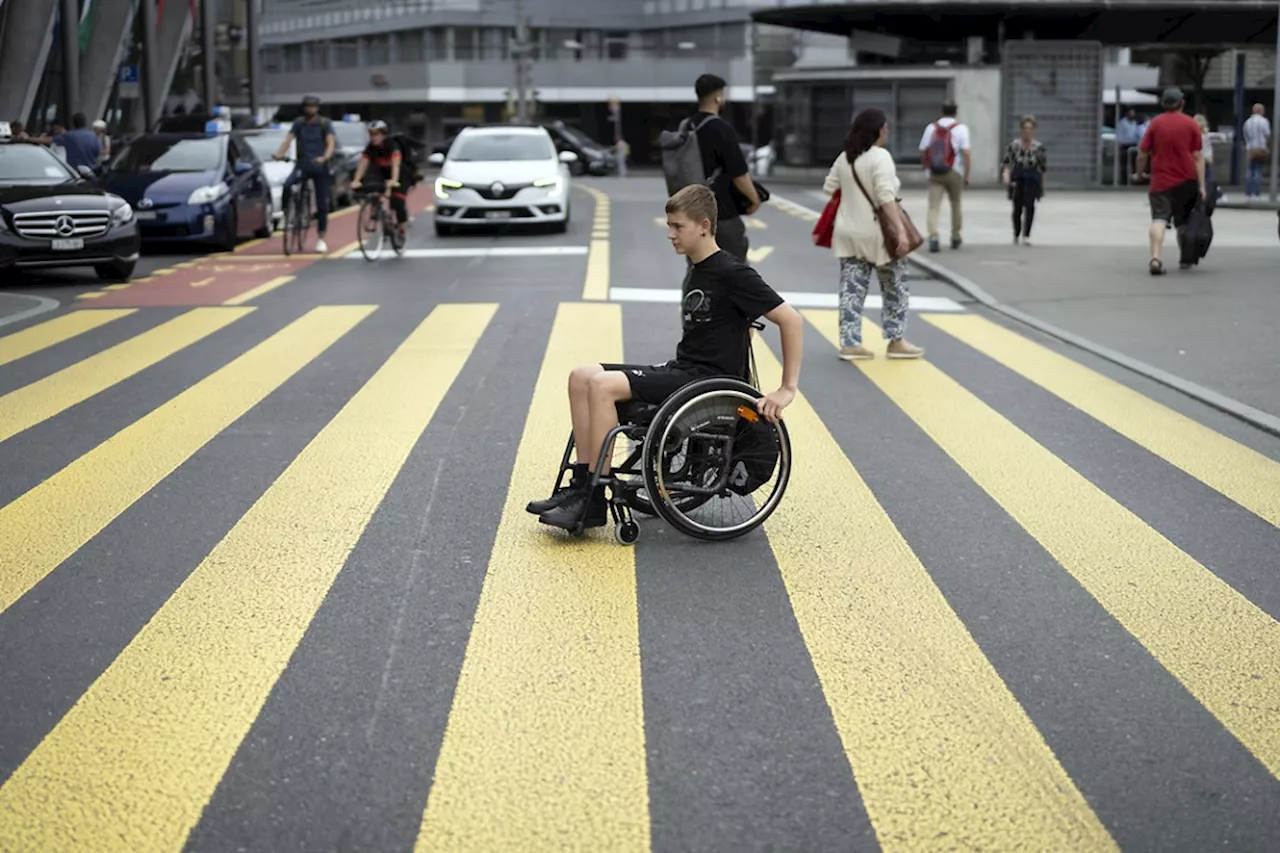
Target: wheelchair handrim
784	465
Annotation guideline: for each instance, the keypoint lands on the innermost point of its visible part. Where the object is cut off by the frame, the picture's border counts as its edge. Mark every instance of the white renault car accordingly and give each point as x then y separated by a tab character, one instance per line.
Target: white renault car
502	174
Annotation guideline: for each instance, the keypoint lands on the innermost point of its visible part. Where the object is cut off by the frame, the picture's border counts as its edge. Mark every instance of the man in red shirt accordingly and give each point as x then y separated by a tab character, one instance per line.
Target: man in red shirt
1172	144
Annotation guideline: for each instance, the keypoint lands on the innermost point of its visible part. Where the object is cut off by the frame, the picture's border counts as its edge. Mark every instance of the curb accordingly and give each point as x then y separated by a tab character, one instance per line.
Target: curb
1242	411
43	304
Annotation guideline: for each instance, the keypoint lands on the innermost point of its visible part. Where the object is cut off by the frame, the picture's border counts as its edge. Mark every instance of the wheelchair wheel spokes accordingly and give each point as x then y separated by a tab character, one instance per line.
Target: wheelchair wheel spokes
735	466
369	229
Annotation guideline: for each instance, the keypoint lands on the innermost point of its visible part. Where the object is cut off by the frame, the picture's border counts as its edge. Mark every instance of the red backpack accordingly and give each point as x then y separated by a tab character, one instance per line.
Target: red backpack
942	155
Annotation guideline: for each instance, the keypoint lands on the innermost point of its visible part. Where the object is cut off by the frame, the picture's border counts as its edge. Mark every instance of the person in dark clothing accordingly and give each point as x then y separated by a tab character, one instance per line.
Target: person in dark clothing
387	160
314	134
723	163
1173	146
723	297
1023	168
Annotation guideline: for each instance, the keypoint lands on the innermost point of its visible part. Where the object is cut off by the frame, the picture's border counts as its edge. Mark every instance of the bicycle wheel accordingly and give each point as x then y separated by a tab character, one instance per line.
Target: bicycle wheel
393	230
369	230
303	219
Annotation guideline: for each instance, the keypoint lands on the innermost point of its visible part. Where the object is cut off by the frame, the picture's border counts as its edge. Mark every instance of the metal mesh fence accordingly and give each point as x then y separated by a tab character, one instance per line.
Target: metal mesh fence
1060	83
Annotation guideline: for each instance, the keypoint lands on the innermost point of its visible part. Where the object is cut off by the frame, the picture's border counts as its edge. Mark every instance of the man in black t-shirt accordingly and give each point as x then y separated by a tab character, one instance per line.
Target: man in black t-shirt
722	158
384	155
722	297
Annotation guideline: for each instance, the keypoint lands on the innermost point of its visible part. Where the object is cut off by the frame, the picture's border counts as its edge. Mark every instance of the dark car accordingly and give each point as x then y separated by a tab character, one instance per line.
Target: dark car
593	157
53	216
193	187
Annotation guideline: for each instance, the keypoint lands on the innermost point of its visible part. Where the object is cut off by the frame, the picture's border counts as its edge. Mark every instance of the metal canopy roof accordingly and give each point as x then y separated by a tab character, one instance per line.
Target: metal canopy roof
1121	22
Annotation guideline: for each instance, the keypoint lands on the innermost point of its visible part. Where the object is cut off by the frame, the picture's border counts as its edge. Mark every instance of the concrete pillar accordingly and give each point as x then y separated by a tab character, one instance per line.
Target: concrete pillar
70	60
22	56
108	45
255	55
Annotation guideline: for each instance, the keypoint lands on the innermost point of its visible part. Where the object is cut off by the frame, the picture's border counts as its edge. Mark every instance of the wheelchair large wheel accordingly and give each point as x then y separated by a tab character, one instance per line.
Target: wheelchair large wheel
714	467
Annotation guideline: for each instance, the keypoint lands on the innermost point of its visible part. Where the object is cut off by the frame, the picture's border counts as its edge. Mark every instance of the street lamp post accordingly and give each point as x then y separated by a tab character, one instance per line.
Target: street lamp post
251	24
1275	118
521	50
150	75
208	59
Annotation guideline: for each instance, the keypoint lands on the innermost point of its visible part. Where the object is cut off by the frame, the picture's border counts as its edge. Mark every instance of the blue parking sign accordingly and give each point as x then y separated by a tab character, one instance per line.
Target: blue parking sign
128	74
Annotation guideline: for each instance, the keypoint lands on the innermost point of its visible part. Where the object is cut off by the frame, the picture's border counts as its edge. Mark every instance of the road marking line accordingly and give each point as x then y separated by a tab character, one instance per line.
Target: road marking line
143	280
97	294
133	764
55	331
202	282
874	301
596	284
758	224
256	241
547	723
1223	648
1241	473
660	221
29	405
489	252
165	271
938	745
345	250
265	287
600	235
49	523
755	256
123	286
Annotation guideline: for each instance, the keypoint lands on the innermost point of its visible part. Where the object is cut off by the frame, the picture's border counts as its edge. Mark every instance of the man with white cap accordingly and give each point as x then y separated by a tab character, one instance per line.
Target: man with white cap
100	128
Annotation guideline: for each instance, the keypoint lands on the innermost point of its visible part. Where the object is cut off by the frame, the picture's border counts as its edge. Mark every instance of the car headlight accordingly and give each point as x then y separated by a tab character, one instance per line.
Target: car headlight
443	185
208	195
553	185
122	215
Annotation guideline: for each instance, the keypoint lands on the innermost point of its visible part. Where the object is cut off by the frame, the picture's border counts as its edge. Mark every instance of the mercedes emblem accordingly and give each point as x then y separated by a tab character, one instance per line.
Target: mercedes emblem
64	225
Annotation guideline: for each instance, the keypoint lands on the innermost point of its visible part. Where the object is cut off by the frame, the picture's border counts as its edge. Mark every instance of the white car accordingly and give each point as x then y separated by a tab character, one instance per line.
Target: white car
265	144
502	174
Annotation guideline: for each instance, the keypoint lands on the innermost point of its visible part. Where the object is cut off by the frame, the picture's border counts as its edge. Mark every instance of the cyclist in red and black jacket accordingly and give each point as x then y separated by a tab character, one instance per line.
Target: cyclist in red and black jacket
385	155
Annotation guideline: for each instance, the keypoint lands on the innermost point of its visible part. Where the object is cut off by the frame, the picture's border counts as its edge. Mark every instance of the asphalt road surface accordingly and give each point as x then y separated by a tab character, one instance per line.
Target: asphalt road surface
266	581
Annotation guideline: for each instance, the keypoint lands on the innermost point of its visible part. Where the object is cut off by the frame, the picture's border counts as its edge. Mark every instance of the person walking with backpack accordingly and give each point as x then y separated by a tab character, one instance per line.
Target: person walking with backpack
945	141
705	150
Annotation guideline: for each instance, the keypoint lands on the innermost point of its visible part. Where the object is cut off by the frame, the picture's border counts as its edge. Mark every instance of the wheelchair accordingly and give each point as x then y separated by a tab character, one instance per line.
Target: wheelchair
703	453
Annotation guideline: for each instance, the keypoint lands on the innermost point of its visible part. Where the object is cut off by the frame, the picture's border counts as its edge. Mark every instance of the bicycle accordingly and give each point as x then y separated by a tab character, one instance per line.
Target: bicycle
375	223
297	216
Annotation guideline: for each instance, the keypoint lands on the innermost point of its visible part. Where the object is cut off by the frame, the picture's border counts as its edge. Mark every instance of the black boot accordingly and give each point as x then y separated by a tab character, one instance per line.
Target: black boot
588	507
579	480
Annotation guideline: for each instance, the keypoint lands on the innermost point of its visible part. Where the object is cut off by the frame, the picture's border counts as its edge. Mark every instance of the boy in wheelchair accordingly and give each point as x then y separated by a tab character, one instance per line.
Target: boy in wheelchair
722	298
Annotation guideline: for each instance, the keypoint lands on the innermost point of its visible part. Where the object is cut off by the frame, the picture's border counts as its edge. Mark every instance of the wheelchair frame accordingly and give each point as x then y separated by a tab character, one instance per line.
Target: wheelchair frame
635	422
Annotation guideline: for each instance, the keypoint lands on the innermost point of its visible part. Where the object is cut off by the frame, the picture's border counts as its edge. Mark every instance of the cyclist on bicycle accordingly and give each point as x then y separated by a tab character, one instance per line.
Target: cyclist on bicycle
314	134
385	155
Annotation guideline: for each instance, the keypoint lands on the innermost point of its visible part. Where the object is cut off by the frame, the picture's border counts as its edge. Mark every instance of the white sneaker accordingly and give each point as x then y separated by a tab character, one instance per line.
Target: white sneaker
321	246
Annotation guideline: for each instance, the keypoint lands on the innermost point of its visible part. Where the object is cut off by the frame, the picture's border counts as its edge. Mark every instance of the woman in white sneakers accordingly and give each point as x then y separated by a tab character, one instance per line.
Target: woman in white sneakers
858	242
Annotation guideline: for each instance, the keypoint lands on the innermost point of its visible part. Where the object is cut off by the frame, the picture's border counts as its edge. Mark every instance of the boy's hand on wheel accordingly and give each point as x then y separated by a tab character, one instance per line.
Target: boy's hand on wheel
771	405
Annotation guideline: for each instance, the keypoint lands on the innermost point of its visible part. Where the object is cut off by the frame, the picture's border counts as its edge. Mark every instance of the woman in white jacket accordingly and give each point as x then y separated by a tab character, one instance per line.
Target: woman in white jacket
857	240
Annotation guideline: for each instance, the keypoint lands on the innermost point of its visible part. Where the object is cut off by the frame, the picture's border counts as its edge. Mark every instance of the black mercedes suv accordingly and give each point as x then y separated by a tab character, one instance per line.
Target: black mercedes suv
53	216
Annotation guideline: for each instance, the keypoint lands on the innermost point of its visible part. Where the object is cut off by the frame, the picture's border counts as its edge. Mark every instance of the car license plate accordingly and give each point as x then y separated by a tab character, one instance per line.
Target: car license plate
497	214
145	214
69	245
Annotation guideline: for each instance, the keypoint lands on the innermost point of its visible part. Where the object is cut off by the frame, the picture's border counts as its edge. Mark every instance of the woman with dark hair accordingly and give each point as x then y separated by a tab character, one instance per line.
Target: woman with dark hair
1023	171
867	179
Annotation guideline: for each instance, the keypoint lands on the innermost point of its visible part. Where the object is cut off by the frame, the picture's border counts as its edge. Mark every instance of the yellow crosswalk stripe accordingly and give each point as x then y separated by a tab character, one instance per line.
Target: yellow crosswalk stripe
47	524
31	404
544	746
55	331
938	745
1241	473
133	764
596	285
1223	648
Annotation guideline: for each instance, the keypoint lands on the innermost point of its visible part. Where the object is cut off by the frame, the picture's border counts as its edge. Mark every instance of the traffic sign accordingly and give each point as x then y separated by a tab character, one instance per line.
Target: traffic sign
129	74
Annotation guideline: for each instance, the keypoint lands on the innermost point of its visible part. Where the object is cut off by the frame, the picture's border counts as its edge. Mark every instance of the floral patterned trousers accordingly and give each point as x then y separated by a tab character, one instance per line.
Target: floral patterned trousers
855	280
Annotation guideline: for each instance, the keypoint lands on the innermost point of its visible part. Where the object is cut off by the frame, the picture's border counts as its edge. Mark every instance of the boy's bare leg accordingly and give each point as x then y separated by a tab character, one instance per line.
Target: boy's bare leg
605	391
580	409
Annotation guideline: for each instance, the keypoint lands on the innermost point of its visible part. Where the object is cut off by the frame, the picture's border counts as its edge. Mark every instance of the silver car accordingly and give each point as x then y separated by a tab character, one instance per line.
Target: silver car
504	174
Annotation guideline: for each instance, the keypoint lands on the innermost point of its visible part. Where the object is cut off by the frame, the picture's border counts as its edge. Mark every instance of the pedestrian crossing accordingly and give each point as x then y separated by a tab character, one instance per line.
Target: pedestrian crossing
289	598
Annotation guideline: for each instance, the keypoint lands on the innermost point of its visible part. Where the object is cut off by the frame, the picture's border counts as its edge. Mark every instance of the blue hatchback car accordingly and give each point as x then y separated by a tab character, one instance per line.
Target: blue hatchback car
190	187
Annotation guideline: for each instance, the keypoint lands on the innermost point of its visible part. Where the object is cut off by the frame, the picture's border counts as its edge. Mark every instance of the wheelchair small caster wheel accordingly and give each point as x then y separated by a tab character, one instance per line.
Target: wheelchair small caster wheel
626	532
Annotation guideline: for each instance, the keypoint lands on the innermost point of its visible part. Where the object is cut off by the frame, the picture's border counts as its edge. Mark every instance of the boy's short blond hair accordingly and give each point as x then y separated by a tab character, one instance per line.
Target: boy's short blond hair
698	202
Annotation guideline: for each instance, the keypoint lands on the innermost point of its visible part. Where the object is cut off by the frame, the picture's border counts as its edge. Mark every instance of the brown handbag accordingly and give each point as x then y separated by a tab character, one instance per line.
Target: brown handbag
887	229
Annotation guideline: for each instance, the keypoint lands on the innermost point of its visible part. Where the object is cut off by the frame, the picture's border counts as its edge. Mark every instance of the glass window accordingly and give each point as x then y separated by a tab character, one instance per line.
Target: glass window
346	53
502	146
272	59
317	53
464	43
153	154
616	45
410	47
265	145
293	57
377	50
437	43
493	42
31	165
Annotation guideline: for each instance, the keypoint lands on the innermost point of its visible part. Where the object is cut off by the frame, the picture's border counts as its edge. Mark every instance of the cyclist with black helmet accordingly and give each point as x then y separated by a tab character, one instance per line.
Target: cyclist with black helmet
314	135
387	159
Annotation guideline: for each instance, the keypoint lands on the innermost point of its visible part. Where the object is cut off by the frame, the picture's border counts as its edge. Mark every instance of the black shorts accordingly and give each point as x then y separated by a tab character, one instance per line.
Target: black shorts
654	383
1175	204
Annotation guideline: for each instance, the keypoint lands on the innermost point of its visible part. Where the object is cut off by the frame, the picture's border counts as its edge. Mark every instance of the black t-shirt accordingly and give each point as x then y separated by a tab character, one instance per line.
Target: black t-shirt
718	143
380	157
722	296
